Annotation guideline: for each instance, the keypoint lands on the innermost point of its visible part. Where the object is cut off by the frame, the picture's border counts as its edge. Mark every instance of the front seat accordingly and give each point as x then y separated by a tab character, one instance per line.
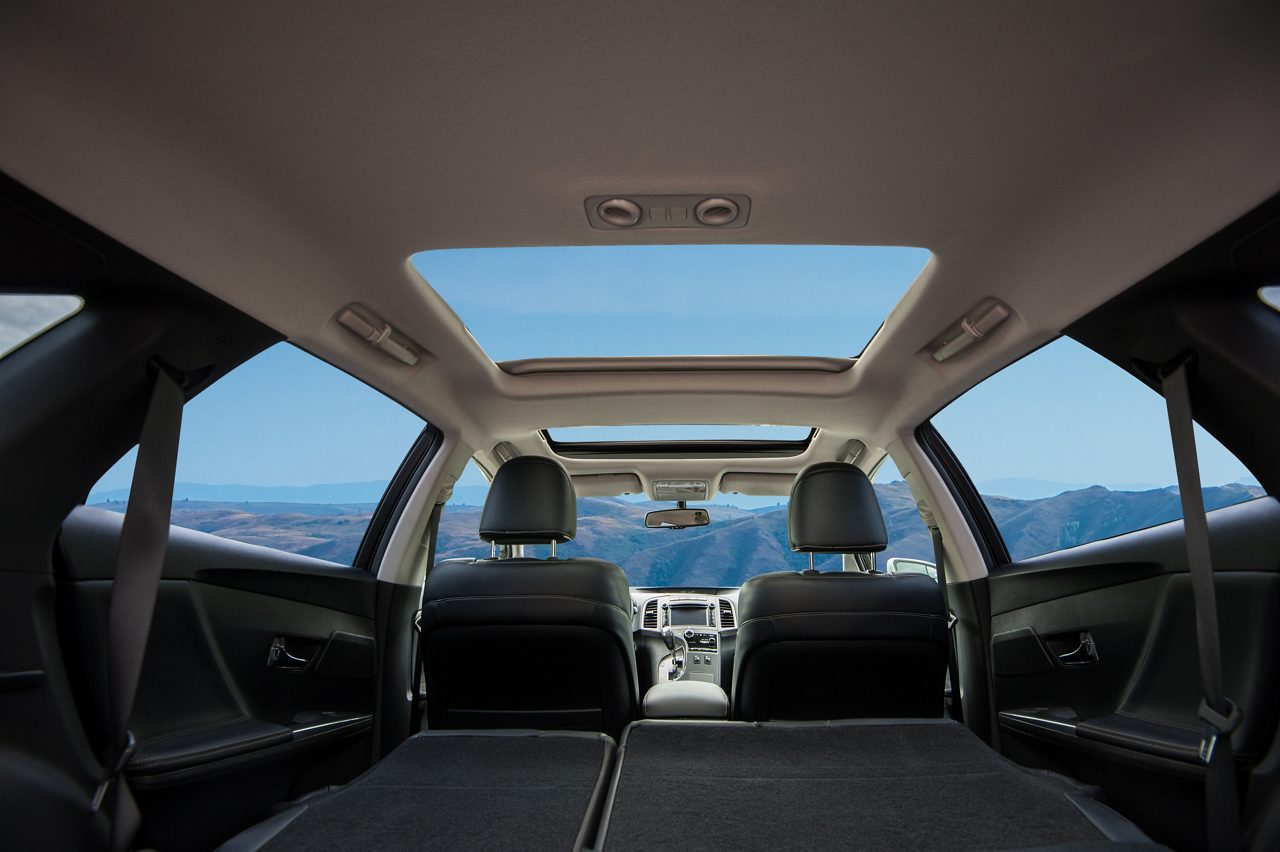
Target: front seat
529	643
839	644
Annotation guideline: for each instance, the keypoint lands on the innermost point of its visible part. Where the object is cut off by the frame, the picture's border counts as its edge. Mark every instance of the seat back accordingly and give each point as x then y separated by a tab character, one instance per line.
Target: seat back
842	644
529	643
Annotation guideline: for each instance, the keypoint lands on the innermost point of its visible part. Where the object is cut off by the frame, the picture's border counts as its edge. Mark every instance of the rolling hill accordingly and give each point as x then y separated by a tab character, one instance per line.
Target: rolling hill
737	544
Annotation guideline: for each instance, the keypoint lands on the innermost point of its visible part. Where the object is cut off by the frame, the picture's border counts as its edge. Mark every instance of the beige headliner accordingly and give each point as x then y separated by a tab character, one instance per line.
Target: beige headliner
290	158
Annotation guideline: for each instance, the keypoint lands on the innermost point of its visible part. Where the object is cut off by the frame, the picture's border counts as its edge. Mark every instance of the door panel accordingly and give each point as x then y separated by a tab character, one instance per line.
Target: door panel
1128	719
258	682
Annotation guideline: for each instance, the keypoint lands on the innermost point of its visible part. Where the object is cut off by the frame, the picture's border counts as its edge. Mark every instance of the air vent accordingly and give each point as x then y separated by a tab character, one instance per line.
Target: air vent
618	212
726	613
638	212
651	614
716	211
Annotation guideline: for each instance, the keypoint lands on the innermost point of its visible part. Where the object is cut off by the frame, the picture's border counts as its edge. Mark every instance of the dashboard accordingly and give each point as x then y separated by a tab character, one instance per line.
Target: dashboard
704	619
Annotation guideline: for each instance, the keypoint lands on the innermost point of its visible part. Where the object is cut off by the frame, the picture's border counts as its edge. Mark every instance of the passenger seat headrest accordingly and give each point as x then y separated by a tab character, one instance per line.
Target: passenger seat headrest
834	510
531	501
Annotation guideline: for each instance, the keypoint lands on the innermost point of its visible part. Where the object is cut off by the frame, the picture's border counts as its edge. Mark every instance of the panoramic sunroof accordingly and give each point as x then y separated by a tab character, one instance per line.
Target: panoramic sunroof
671	432
602	301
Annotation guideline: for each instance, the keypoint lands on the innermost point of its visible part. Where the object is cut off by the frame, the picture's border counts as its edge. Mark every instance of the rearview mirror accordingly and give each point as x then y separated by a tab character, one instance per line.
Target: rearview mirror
677	519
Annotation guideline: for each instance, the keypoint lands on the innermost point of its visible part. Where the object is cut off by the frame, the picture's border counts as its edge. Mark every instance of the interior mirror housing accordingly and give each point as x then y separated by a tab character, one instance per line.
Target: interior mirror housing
677	519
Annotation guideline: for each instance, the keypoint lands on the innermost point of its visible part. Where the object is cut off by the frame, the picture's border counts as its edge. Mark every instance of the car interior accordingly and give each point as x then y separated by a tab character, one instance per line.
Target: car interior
631	426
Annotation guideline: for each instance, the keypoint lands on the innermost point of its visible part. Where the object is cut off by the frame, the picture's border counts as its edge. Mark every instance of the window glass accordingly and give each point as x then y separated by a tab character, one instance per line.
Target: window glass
285	451
1066	448
23	318
747	535
908	536
1270	295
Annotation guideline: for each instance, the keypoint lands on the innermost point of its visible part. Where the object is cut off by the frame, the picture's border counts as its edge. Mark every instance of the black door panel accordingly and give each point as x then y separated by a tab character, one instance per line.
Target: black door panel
89	540
1121	709
260	665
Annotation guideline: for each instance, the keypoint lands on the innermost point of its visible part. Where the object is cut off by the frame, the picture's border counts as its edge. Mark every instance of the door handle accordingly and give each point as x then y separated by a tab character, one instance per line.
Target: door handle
278	656
1085	652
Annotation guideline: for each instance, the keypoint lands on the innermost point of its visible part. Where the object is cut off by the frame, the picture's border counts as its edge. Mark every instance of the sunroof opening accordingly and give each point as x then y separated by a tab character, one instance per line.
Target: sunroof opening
604	301
672	432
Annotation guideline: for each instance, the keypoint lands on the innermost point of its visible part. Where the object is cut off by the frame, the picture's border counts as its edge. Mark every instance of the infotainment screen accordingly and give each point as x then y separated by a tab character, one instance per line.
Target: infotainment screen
686	615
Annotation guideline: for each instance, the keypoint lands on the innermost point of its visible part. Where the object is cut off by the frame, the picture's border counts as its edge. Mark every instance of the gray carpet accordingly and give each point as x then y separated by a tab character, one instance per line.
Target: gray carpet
460	792
886	786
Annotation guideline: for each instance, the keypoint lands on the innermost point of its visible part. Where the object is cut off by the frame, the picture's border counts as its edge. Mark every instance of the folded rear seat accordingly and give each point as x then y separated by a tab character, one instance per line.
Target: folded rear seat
456	790
871	784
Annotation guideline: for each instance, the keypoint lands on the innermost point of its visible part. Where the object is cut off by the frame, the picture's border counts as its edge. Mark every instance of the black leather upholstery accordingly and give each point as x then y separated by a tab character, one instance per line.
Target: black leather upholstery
531	501
529	643
838	645
834	510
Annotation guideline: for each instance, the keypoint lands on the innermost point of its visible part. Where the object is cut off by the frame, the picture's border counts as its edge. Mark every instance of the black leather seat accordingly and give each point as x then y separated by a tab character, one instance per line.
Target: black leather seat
841	644
529	643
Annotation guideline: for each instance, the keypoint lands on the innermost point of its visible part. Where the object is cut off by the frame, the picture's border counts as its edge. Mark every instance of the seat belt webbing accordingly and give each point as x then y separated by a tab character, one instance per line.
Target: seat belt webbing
144	537
1219	714
940	563
420	663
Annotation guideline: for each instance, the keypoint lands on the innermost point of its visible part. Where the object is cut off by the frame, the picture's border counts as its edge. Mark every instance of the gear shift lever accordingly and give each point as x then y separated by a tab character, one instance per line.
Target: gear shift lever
677	653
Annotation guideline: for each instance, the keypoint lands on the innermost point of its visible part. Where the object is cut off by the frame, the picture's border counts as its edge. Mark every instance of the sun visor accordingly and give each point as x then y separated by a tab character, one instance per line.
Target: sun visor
757	484
606	484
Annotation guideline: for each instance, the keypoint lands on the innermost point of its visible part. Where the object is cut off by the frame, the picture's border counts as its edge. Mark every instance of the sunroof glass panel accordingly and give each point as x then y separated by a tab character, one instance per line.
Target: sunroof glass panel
674	432
603	301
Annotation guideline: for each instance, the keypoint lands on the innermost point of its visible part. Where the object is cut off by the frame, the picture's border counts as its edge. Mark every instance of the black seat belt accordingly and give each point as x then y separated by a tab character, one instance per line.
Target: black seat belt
144	537
420	662
940	564
1220	715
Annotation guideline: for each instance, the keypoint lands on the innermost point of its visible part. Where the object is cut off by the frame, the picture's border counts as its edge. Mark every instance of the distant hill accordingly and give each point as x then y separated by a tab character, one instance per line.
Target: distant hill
1036	489
325	531
1032	527
737	544
338	492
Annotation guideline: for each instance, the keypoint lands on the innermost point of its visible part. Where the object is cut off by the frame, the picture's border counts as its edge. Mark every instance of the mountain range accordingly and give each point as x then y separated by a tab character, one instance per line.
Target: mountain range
737	544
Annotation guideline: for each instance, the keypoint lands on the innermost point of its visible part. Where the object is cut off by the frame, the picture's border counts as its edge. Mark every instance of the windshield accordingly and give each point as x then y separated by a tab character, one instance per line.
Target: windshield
746	536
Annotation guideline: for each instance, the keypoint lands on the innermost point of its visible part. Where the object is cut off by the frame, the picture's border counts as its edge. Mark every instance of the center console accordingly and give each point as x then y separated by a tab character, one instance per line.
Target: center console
702	627
686	699
702	662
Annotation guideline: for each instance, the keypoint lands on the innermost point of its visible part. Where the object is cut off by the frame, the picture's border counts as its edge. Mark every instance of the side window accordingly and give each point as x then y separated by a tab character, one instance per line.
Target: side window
285	451
1066	448
459	534
908	536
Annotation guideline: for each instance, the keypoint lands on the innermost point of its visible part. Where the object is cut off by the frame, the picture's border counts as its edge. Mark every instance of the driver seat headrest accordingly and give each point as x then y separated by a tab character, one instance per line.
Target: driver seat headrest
834	510
531	501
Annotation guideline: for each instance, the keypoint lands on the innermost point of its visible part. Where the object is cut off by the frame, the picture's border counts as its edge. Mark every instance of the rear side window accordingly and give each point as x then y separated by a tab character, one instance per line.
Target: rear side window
285	451
1066	448
459	535
23	318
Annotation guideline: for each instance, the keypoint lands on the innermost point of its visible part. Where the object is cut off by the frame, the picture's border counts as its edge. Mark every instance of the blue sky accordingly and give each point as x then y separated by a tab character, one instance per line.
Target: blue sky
672	300
287	418
1062	415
